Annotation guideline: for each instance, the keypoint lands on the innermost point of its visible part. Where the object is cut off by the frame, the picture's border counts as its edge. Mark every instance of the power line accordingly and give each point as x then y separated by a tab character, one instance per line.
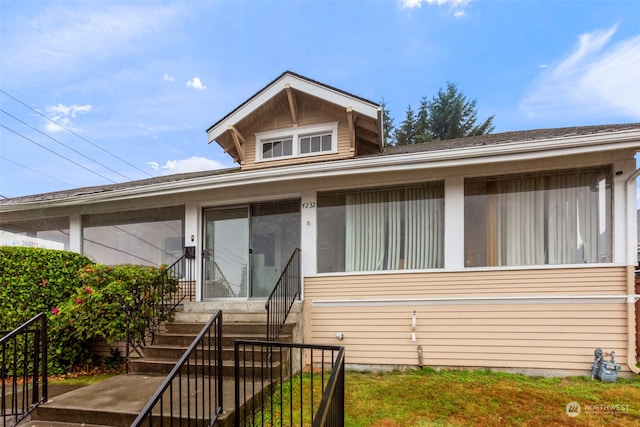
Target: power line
74	133
63	144
59	155
36	171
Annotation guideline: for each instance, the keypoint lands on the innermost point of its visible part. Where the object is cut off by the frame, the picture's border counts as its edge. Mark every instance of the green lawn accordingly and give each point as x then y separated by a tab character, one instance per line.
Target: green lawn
469	398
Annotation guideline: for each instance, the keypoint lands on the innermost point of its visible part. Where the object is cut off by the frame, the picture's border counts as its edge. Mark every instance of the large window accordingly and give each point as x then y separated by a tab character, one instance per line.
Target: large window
295	142
48	233
383	229
144	237
562	217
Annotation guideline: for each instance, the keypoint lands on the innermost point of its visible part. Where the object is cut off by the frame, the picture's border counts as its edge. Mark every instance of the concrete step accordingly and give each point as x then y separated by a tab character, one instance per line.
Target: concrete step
161	367
44	423
171	352
228	340
193	328
232	311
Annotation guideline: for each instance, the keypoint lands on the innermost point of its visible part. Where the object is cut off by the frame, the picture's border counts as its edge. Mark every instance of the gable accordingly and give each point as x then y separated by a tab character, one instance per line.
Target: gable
292	103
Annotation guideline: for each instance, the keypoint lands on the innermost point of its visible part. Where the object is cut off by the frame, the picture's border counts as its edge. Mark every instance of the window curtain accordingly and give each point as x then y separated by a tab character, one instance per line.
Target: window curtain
365	231
548	220
424	244
394	229
521	221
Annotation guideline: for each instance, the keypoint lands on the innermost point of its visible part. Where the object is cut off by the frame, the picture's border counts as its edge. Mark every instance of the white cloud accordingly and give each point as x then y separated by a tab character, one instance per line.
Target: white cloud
196	84
455	6
191	164
598	77
63	114
61	39
167	78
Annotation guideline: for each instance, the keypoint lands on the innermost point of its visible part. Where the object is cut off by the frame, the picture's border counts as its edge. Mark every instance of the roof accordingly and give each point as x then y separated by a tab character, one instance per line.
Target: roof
75	192
508	137
467	148
298	82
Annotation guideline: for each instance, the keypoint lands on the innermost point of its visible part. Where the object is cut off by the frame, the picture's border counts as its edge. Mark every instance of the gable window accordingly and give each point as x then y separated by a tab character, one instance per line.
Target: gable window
297	142
278	148
396	228
562	217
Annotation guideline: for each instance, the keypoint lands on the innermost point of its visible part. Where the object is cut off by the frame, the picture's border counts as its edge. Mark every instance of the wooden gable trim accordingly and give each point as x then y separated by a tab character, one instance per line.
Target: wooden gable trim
351	121
292	104
239	142
302	84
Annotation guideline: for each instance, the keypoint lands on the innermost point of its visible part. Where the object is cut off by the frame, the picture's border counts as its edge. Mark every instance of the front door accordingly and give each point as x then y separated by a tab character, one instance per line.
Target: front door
247	248
226	253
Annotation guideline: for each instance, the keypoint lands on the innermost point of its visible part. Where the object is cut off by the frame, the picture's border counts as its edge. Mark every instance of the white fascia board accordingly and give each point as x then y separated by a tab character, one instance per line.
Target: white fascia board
302	85
459	157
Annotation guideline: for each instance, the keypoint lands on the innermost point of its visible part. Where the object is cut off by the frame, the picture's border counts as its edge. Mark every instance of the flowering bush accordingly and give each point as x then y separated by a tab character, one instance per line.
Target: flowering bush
93	303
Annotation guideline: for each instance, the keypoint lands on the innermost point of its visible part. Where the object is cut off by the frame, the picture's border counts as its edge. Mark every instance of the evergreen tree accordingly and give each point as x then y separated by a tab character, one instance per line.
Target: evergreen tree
422	122
406	133
387	122
452	115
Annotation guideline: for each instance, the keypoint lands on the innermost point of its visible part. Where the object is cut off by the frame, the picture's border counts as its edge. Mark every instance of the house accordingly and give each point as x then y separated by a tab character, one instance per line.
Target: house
513	251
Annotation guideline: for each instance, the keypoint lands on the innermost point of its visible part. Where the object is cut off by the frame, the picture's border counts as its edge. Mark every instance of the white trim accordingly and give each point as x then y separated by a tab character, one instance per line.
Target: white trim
472	269
302	85
295	134
520	299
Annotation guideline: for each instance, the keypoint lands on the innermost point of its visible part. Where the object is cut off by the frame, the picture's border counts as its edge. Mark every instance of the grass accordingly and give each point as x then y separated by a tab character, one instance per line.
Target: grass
461	398
430	398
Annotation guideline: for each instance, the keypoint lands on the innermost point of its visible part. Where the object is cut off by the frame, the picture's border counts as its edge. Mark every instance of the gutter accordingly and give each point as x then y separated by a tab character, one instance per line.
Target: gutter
631	299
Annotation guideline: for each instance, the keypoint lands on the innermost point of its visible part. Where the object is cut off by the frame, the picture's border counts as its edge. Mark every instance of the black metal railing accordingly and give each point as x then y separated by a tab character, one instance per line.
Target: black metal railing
156	302
23	370
288	384
183	271
191	394
284	294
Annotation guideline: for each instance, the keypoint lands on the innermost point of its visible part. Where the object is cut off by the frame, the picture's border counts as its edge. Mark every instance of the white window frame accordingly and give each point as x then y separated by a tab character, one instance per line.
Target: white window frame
295	134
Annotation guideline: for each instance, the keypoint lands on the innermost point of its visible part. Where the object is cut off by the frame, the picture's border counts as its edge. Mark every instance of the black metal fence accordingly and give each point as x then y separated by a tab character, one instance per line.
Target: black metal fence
23	370
284	294
286	384
183	271
155	303
191	394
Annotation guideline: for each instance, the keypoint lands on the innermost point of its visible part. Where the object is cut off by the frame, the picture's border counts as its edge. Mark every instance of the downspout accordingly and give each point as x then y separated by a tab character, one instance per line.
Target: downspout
631	291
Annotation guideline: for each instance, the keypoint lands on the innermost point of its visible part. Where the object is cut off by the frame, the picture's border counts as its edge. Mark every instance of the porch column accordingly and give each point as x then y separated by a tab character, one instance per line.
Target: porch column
193	237
454	223
308	232
75	233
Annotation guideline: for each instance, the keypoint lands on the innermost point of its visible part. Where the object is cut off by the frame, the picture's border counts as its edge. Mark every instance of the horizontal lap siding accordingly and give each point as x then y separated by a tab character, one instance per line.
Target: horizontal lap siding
504	334
588	281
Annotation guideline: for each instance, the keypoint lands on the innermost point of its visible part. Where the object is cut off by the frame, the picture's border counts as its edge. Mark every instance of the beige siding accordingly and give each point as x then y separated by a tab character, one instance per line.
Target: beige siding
517	332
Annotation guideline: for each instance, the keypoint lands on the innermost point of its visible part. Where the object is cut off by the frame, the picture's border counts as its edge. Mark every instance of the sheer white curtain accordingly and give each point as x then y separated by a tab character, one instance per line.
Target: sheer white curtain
520	219
365	231
394	229
548	220
423	244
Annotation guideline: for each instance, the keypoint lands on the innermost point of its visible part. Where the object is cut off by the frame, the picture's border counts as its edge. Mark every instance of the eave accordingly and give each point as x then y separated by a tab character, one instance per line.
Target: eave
457	157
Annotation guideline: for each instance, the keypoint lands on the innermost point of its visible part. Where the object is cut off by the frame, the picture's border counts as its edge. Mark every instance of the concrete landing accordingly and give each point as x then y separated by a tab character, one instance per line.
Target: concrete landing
117	402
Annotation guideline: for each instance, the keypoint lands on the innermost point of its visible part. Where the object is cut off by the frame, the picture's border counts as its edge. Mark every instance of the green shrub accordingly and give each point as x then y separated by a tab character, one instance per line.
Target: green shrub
34	280
84	300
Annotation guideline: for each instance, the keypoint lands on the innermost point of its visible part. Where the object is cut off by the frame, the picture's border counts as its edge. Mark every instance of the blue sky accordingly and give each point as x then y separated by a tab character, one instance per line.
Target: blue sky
136	84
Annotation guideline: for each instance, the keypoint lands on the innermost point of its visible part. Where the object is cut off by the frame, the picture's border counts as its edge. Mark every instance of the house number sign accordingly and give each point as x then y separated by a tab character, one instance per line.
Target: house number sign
308	205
